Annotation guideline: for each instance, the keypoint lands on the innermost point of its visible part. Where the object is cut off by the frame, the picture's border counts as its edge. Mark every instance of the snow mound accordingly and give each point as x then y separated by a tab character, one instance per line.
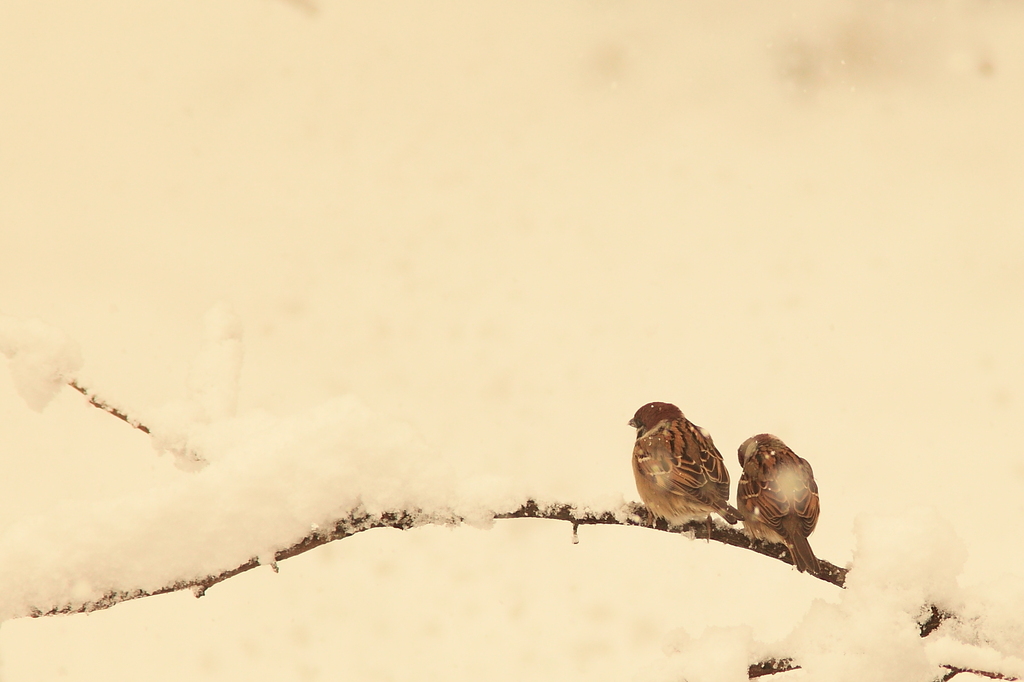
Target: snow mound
272	483
903	564
42	358
212	393
719	654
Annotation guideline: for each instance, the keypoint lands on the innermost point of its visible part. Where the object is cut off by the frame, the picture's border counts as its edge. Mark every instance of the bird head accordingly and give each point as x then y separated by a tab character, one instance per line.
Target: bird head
750	446
652	414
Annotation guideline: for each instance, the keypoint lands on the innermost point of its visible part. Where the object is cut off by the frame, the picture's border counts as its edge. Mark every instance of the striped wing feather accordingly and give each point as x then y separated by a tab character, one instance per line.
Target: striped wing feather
696	471
782	485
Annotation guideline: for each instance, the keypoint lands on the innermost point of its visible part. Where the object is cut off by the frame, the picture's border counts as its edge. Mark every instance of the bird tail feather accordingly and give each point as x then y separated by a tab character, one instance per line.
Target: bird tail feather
729	513
803	557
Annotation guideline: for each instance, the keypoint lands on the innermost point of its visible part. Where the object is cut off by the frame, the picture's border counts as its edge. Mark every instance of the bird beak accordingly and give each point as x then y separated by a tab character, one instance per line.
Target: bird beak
632	422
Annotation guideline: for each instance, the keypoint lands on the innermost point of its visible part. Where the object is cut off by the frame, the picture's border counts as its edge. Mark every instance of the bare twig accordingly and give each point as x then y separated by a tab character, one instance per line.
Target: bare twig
953	671
109	409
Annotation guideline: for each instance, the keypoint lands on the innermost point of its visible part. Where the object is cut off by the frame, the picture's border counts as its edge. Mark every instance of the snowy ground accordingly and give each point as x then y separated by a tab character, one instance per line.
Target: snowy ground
485	234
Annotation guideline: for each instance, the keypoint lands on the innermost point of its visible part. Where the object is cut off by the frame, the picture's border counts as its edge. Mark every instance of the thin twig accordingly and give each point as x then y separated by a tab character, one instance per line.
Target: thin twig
955	670
106	407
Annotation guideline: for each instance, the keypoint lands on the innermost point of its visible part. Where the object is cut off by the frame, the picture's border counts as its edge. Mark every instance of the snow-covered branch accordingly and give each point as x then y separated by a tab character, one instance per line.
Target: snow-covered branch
264	489
635	514
774	666
629	514
358	520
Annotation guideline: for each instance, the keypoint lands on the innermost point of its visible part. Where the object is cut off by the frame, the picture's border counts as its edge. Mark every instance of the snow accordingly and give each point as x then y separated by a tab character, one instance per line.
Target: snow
948	651
265	484
464	242
271	482
902	563
212	392
213	380
716	655
991	616
42	358
268	481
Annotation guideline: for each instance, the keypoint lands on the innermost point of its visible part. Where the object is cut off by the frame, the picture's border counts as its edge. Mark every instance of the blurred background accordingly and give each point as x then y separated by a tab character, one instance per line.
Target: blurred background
510	224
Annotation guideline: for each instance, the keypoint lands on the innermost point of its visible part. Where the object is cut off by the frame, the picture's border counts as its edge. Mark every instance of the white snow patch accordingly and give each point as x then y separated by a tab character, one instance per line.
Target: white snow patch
42	358
991	616
902	565
212	393
946	650
718	654
215	373
272	481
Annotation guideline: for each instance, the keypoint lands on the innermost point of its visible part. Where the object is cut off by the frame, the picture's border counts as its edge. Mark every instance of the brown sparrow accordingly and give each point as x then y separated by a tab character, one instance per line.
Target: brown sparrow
778	498
679	472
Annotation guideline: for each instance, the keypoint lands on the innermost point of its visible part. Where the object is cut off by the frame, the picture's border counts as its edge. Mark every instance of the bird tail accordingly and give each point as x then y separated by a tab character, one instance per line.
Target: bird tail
729	513
803	557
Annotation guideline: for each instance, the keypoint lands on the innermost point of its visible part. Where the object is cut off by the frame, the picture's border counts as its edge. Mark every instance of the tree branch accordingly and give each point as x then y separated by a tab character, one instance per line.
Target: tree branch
935	618
771	667
636	515
631	514
357	521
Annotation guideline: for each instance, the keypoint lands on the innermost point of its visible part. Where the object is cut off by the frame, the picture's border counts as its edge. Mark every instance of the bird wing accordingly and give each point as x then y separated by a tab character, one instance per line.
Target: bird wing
780	484
664	458
805	501
711	462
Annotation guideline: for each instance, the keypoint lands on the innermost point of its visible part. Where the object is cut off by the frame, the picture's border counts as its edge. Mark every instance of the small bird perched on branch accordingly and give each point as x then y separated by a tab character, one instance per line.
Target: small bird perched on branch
679	472
778	498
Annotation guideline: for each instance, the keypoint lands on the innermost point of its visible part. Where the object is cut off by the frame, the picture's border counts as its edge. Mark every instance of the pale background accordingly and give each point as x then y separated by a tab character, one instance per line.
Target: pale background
510	224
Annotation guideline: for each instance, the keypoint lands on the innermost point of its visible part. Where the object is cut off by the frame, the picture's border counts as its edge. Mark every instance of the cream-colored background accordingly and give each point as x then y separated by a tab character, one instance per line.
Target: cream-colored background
510	224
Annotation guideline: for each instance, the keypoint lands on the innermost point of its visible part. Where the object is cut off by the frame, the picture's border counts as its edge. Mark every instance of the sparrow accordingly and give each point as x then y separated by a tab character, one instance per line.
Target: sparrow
680	474
778	498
